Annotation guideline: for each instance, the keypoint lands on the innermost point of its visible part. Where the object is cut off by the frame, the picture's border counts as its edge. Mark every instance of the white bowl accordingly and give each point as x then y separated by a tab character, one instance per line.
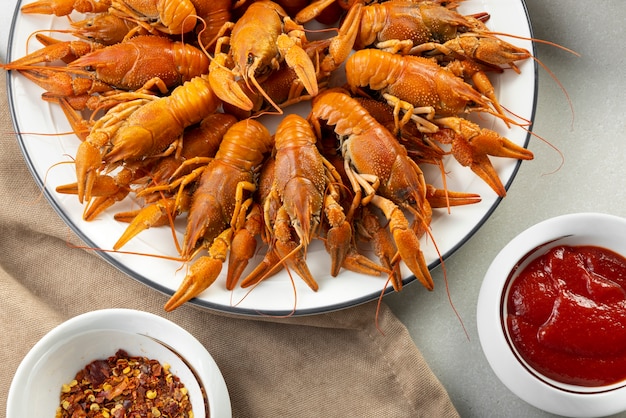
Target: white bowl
60	354
595	229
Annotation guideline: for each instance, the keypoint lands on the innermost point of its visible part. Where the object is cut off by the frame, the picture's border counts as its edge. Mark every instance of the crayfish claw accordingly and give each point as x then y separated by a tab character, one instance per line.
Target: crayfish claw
337	244
225	86
106	191
408	248
242	250
88	161
440	198
102	186
489	142
490	50
482	167
52	51
312	10
156	214
406	241
243	245
201	275
360	264
293	256
297	59
62	83
371	229
48	7
341	45
472	145
268	266
101	203
64	7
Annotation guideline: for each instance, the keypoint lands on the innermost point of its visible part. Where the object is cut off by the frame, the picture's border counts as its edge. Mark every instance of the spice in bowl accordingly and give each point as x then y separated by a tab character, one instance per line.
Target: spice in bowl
124	386
566	315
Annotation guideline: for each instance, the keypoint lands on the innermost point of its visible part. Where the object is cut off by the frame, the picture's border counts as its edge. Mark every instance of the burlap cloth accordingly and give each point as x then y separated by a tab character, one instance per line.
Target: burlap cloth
330	365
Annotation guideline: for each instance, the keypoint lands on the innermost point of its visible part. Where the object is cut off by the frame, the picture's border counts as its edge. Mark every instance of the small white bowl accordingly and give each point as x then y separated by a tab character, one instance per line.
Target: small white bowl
595	229
60	354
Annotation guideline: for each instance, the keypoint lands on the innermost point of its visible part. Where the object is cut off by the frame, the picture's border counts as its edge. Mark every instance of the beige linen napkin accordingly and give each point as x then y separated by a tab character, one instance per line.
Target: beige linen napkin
330	365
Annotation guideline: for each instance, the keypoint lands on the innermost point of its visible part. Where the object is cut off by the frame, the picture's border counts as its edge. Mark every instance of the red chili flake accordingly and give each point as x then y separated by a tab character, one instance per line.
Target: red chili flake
124	386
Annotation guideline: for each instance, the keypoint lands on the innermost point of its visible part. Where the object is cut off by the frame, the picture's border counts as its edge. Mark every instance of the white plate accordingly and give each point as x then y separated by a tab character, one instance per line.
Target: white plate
276	295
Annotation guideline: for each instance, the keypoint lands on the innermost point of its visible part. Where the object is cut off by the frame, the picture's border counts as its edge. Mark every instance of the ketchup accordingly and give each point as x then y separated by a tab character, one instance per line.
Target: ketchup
567	315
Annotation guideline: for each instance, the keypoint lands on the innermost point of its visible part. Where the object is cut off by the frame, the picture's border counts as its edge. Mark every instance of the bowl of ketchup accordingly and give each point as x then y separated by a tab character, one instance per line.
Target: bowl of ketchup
551	315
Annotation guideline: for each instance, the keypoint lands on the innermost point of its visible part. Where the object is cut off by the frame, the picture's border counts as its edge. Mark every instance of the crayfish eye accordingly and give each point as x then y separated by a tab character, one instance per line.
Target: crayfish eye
405	196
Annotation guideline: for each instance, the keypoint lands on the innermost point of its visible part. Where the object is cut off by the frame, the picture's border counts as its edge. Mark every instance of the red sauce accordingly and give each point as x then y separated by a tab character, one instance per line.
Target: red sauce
567	315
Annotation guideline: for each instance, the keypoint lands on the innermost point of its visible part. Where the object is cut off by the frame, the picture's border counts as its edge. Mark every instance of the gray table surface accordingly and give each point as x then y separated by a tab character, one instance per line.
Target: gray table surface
591	179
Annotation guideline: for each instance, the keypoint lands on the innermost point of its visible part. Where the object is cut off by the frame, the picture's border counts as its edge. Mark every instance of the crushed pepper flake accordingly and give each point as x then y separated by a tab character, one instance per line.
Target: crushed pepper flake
124	386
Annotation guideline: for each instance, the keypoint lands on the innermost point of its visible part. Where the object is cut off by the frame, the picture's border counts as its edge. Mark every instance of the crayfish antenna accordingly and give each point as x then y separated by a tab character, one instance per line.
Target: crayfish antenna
558	82
445	280
379	304
538	61
279	110
536	40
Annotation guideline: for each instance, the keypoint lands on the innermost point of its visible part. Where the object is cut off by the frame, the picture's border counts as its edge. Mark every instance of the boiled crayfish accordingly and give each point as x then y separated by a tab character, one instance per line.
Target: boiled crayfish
276	39
141	128
379	168
220	203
